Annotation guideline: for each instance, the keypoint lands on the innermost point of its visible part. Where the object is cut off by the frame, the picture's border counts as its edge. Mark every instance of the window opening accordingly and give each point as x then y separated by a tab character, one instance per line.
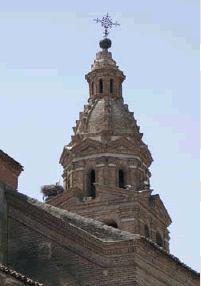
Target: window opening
159	240
146	231
68	183
92	88
92	178
100	85
120	88
111	85
121	179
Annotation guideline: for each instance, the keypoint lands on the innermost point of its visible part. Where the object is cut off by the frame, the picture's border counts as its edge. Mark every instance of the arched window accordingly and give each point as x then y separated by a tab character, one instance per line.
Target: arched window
159	239
111	85
92	88
101	85
146	231
113	224
91	186
121	179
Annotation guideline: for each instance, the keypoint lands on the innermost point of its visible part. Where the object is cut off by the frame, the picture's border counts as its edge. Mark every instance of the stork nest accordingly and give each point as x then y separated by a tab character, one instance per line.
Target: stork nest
51	189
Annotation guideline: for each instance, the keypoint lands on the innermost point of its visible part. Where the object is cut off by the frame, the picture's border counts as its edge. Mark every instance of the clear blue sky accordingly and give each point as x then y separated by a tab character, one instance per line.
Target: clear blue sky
45	53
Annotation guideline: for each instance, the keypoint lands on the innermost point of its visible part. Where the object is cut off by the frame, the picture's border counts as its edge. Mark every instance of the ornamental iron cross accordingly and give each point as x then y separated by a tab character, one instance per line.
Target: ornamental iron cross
106	22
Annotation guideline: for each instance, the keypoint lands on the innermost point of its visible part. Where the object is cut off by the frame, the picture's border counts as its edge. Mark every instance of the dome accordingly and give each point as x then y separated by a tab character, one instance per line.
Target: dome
107	114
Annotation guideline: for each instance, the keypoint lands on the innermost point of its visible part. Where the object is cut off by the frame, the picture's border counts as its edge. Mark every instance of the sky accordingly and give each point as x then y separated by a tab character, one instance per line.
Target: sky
45	53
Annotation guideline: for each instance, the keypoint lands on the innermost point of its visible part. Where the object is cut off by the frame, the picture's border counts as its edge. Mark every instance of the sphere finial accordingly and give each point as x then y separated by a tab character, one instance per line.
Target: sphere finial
105	43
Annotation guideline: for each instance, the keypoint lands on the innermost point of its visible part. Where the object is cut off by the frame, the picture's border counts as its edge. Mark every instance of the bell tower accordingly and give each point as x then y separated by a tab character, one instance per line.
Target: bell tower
106	165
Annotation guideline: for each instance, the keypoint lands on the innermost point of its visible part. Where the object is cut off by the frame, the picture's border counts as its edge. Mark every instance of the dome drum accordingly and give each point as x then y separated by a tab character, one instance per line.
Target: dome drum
108	170
105	83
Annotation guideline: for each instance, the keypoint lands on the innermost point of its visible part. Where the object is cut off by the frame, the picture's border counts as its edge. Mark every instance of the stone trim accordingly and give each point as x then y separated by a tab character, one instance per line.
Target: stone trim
79	169
128	219
132	167
94	156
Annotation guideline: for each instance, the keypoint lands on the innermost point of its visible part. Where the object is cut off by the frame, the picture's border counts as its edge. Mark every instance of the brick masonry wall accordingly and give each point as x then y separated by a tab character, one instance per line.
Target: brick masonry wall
43	258
9	170
8	176
131	211
3	224
155	269
50	250
53	264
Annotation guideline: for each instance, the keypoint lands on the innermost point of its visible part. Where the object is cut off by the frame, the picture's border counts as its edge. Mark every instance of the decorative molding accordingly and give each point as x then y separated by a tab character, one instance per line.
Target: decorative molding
79	169
128	219
94	156
100	165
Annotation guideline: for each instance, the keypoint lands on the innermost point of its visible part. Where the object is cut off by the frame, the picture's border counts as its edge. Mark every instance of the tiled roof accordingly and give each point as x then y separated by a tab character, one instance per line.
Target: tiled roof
19	276
155	245
94	227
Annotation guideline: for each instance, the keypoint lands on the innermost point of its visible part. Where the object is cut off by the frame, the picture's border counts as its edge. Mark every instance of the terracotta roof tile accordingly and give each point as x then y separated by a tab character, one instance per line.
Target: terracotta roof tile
19	276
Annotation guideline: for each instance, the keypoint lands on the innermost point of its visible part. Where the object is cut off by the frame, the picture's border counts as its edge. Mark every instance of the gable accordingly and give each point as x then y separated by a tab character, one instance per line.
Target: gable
124	145
156	203
87	145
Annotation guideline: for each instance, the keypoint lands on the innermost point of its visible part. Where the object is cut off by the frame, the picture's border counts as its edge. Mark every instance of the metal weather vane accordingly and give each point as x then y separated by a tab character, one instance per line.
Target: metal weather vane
106	22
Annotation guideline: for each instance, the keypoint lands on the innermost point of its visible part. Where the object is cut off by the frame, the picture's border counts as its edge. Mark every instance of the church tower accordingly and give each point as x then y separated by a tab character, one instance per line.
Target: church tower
106	165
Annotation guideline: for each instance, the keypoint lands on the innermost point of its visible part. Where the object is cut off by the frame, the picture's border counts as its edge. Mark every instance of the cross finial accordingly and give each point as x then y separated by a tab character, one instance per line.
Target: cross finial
106	22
